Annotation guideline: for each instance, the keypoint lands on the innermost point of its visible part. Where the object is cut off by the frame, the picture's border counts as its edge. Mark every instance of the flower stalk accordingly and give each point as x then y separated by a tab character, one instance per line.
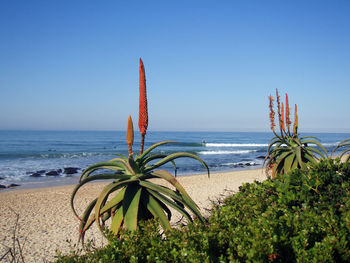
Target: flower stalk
143	111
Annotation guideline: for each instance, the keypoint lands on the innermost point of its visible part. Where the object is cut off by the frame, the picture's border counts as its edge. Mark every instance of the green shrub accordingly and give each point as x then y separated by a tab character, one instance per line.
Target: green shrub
303	216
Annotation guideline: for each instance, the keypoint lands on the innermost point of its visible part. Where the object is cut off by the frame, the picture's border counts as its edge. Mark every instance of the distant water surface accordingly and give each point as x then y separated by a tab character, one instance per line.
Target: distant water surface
23	153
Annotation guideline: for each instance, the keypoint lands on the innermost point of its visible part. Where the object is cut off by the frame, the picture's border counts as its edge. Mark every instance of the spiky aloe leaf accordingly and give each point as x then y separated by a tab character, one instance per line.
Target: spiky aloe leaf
172	180
131	205
104	195
174	156
176	196
114	166
116	200
155	157
117	177
157	211
85	218
171	203
139	158
117	221
288	162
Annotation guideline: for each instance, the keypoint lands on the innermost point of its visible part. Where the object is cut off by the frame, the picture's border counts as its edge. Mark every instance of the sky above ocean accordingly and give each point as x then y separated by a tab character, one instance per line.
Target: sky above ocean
210	65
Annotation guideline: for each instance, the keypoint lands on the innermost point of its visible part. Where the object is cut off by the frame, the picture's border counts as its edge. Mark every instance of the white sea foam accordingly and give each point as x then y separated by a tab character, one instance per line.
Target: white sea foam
226	152
236	144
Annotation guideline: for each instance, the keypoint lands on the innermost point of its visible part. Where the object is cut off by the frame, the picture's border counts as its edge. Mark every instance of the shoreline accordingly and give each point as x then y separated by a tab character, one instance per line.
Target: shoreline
46	220
53	181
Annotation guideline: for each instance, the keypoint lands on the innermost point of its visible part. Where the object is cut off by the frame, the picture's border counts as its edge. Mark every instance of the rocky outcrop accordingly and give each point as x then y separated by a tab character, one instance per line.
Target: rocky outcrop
71	170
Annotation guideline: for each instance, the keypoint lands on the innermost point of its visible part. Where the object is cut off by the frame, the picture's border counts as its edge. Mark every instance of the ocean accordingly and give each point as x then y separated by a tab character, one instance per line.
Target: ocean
27	156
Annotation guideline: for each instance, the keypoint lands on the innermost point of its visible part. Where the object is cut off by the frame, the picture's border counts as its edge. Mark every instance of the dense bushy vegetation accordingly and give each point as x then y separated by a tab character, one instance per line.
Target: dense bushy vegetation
302	216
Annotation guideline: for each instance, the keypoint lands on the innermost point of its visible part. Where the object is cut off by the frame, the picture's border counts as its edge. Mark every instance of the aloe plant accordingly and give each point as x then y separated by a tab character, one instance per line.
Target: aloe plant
287	150
344	144
132	196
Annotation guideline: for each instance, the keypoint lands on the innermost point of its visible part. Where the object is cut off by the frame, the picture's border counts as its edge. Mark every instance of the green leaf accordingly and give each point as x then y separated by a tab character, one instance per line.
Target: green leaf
175	156
154	207
131	205
104	195
171	203
152	147
94	178
114	201
117	221
288	163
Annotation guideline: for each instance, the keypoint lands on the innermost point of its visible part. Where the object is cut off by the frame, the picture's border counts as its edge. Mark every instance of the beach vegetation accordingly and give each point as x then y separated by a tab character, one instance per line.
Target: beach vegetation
302	216
133	196
287	150
345	145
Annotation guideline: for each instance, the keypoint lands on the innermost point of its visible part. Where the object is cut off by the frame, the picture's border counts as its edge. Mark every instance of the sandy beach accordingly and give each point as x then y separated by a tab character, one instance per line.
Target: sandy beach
46	220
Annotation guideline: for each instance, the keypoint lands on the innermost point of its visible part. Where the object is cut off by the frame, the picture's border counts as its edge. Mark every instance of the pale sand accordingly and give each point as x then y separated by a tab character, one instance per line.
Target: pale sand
46	220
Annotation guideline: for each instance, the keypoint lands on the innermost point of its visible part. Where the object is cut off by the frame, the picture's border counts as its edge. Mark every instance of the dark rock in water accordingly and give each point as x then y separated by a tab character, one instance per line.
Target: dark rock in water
2	178
247	164
71	170
59	171
35	175
12	185
260	157
52	173
41	172
2	186
240	164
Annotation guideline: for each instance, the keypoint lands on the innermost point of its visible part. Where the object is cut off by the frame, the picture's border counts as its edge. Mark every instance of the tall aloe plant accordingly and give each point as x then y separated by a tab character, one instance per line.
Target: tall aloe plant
287	150
132	195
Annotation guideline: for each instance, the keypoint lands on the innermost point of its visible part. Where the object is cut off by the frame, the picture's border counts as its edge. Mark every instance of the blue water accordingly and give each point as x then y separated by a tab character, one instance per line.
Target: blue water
25	152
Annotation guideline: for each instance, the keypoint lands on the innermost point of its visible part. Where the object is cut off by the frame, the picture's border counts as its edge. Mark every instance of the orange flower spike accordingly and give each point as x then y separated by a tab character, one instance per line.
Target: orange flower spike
272	114
130	135
143	113
279	111
295	127
288	122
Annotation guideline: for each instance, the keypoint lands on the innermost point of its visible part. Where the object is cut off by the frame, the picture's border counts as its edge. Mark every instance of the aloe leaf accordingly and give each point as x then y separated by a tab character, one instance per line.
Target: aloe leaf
85	217
279	164
131	205
171	203
157	211
318	145
133	165
175	156
105	165
172	180
155	157
308	137
300	159
189	203
114	201
104	195
311	149
288	162
94	178
152	147
117	221
295	163
310	158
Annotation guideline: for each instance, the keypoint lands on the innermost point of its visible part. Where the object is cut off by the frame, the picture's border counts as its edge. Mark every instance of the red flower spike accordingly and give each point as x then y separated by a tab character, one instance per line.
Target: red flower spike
288	122
143	112
272	114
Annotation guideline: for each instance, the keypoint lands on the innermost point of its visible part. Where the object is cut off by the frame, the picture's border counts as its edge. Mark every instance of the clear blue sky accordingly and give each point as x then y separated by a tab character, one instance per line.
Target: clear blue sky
210	65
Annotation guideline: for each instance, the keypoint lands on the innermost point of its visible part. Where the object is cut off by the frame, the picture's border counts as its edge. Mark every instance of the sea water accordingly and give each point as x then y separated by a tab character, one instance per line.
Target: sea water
23	153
